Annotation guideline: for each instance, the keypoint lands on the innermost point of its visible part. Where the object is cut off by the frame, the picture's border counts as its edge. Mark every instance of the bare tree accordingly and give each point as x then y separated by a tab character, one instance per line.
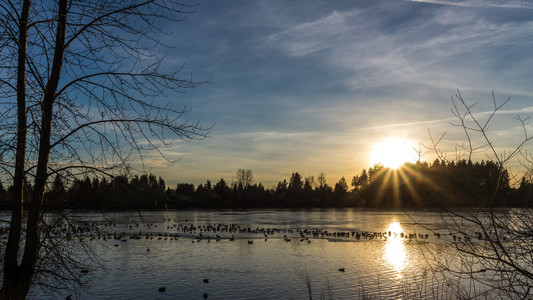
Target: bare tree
321	179
493	247
81	82
245	177
310	181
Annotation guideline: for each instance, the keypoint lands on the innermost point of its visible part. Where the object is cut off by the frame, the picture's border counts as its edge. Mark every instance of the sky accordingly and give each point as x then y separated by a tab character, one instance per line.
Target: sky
313	86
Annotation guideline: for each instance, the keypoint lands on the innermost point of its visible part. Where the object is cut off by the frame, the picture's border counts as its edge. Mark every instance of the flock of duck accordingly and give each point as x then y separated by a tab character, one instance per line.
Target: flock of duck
172	230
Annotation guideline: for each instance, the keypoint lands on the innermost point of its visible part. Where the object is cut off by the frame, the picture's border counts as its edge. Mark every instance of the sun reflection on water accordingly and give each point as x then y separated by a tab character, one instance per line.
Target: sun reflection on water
395	253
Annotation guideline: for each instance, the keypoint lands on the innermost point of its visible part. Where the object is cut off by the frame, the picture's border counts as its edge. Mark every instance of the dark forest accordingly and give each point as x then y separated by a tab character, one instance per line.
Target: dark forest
414	185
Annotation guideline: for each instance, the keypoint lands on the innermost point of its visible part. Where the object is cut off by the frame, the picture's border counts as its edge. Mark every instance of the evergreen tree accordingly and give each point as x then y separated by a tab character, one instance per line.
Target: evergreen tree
341	189
295	185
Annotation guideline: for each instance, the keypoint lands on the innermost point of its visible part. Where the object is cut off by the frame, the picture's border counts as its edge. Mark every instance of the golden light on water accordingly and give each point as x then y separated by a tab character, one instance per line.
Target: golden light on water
395	228
395	253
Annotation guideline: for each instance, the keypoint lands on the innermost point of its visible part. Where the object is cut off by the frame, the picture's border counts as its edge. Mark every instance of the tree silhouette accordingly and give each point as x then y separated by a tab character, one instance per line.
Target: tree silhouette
244	177
80	81
341	188
493	246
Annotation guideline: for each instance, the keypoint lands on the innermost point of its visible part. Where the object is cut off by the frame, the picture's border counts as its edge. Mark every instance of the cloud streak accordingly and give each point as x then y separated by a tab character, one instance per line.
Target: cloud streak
480	3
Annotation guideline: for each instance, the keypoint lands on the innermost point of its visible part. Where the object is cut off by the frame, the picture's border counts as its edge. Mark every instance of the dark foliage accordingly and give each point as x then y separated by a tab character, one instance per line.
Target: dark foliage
418	185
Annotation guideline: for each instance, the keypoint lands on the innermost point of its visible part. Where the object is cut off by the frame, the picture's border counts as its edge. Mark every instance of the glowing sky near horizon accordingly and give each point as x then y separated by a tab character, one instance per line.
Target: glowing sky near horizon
313	86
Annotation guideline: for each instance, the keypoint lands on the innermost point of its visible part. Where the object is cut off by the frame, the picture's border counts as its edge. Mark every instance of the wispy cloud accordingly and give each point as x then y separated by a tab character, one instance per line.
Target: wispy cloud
309	37
411	124
309	86
480	3
443	49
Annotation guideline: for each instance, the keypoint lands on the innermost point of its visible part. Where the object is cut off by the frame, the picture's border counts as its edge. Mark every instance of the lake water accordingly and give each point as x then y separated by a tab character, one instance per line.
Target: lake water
260	254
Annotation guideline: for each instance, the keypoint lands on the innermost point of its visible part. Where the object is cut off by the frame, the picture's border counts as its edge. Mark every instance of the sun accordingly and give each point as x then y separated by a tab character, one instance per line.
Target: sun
393	153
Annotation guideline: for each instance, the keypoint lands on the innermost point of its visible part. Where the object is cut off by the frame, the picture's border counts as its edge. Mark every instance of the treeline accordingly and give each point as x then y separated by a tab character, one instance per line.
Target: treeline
454	184
416	185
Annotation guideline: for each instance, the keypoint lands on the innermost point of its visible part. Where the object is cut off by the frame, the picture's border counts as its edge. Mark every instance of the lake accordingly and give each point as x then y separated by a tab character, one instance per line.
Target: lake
259	254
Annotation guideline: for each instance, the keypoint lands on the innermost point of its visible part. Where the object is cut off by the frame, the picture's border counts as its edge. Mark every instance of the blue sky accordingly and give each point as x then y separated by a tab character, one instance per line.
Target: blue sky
312	86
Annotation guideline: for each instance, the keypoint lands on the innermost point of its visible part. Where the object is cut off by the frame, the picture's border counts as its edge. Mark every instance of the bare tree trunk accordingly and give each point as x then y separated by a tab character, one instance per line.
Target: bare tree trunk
11	287
23	276
31	249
